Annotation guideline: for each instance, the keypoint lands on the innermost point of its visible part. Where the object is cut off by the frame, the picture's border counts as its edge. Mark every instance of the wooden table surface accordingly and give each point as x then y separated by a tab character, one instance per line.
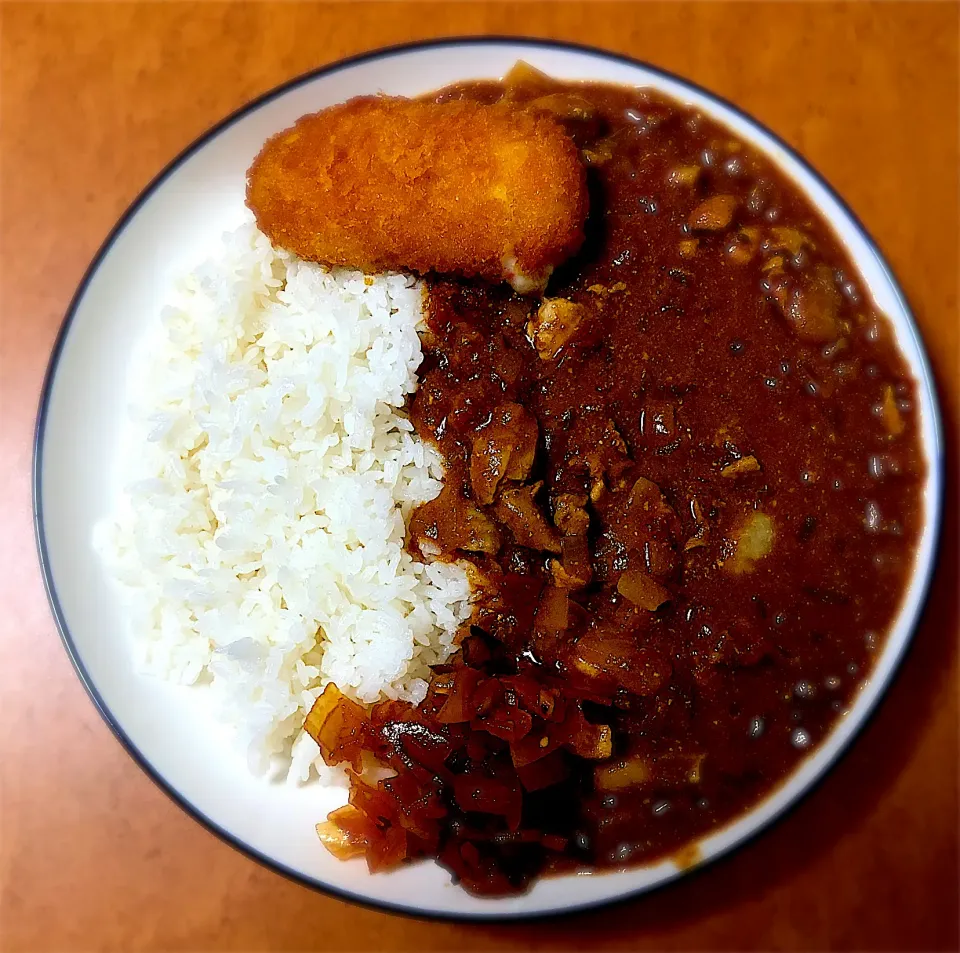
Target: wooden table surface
94	100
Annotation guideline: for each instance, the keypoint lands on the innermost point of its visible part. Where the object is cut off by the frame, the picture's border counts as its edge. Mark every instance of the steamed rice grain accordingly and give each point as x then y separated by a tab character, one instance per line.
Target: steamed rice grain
269	468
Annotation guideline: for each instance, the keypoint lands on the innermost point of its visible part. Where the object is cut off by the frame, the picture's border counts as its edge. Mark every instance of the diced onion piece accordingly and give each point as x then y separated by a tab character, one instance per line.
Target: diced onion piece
564	106
506	722
322	708
338	841
543	773
599	153
713	214
696	541
486	795
338	725
570	515
388	850
457	707
814	307
553	613
618	659
641	590
594	742
574	570
790	240
342	841
523	77
892	418
536	745
686	175
748	464
620	775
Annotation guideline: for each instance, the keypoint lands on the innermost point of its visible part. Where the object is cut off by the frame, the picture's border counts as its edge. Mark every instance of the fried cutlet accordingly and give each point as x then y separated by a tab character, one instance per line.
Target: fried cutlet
387	184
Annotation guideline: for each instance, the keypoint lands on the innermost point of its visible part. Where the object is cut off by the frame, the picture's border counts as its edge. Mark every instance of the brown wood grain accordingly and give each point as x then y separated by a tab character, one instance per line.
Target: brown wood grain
94	100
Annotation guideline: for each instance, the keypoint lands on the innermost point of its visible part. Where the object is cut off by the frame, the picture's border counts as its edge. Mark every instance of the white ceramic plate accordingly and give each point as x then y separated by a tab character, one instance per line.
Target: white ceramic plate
194	200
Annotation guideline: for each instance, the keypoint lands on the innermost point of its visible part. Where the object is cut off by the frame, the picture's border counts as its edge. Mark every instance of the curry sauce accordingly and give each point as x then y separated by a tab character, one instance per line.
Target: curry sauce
688	483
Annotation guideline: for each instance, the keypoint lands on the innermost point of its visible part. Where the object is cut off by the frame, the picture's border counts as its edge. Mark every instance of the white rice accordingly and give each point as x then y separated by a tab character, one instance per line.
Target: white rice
269	469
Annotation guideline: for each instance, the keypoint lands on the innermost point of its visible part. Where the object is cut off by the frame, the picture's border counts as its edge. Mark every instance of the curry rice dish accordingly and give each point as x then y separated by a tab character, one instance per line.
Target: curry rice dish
682	470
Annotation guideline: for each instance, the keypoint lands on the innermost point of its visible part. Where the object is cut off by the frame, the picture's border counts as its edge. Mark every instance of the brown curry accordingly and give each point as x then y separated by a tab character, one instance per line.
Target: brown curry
689	483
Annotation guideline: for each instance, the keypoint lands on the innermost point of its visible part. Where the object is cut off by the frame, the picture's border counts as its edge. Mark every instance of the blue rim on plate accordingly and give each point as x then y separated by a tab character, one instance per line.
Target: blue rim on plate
937	469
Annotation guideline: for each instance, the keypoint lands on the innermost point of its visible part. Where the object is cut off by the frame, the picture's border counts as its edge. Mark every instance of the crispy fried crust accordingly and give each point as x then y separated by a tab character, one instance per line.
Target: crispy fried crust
386	184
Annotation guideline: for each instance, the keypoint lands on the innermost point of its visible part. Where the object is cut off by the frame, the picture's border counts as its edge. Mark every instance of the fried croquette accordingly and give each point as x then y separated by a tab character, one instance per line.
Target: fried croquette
390	184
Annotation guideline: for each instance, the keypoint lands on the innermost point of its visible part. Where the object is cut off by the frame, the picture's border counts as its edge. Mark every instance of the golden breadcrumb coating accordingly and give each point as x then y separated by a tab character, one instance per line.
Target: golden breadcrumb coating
388	184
